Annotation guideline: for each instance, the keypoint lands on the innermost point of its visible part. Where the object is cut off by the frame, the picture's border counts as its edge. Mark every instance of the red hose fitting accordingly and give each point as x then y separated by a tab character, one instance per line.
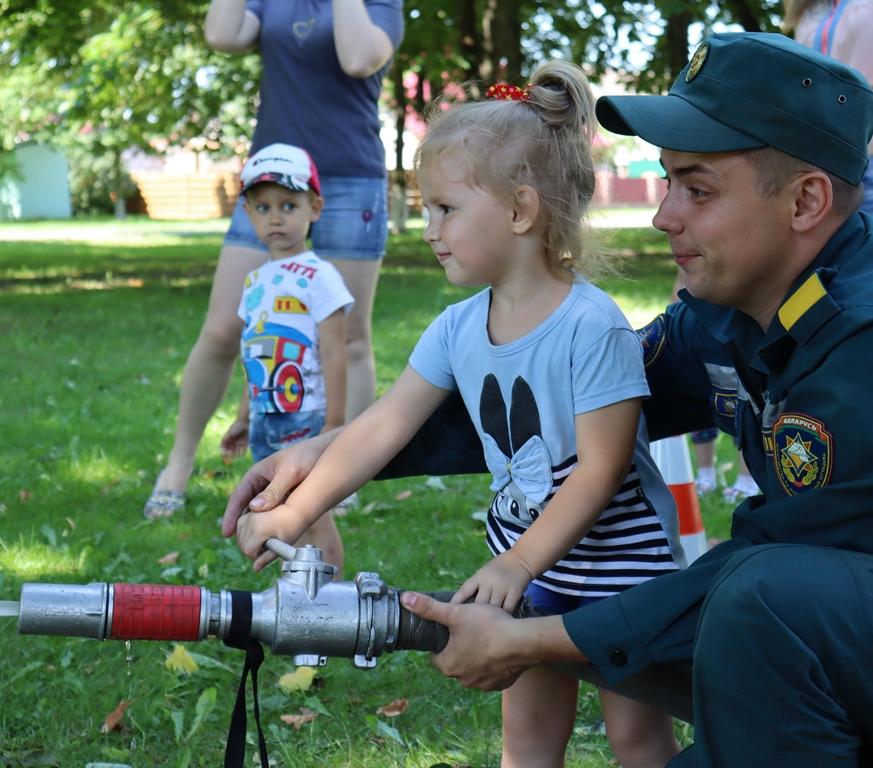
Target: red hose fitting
155	612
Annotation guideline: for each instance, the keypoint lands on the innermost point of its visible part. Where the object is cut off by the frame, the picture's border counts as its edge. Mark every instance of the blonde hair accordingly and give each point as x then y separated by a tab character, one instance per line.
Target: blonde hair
544	142
794	10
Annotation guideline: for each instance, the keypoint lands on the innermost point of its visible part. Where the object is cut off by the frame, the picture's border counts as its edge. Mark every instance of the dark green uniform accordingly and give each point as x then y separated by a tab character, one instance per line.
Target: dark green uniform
778	620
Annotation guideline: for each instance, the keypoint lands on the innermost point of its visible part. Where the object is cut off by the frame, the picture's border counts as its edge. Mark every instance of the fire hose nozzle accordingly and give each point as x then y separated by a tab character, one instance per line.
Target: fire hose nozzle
305	613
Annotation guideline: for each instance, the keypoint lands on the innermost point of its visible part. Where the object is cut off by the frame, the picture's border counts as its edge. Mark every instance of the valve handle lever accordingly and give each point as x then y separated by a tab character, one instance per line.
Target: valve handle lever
280	548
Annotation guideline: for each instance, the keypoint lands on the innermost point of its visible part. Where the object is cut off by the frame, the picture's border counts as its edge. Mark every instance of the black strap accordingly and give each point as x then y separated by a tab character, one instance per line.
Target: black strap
239	637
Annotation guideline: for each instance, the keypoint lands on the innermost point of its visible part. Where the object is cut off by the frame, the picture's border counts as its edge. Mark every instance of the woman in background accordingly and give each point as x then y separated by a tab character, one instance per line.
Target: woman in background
323	64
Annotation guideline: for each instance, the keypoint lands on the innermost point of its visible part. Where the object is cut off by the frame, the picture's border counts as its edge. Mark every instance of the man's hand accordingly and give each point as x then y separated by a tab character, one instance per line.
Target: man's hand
268	483
489	649
500	582
484	641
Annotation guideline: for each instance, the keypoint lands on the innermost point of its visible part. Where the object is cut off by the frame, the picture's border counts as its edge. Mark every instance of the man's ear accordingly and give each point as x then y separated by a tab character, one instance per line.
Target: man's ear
316	205
525	209
813	200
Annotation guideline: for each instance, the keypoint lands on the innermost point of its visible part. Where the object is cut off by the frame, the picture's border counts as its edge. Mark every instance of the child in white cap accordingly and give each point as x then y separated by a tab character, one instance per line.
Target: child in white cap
293	310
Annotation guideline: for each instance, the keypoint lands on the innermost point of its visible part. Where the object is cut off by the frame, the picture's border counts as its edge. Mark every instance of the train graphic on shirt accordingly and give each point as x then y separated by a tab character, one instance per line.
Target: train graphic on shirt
272	356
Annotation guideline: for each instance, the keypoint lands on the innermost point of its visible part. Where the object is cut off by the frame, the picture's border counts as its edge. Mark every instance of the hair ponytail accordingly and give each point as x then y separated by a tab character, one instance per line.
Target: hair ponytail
543	141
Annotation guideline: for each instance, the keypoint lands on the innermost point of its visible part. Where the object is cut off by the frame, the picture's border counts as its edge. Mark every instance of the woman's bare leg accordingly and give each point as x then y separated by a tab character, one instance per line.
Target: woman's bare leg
210	363
361	278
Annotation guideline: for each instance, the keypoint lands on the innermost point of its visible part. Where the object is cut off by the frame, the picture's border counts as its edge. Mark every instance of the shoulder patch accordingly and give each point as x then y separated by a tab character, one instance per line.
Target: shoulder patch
652	339
802	453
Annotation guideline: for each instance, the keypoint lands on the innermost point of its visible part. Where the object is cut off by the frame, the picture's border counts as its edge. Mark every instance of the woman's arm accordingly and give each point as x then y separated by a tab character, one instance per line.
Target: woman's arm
332	350
361	47
605	441
359	451
229	27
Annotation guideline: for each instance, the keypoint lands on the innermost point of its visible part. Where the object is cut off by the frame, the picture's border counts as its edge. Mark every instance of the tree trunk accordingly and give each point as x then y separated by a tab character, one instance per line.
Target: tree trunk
471	40
675	42
501	41
397	199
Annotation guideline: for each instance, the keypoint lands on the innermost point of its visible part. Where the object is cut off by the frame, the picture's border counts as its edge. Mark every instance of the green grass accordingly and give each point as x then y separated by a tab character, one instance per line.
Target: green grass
97	319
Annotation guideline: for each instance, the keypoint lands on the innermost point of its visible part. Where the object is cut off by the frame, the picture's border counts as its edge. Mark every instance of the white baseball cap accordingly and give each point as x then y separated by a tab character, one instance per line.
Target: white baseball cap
281	164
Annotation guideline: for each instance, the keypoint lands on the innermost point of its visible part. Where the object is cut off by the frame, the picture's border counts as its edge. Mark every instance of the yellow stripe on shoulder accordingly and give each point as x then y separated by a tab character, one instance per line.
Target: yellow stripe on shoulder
801	300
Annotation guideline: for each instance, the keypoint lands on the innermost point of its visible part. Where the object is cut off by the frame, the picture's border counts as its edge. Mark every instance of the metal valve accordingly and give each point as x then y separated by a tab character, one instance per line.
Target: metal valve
305	613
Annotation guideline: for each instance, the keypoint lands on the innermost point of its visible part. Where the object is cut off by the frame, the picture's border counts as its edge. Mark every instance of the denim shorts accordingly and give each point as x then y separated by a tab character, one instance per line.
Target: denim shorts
271	432
548	603
353	224
867	181
703	436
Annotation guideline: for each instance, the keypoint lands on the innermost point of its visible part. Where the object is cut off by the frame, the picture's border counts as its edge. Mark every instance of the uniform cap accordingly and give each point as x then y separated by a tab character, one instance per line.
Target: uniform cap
756	89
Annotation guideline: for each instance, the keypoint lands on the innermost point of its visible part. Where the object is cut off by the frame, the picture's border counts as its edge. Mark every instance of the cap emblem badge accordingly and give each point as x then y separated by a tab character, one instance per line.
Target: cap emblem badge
697	62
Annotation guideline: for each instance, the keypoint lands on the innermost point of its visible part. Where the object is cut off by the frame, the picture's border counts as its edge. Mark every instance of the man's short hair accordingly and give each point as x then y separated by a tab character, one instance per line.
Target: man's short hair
775	169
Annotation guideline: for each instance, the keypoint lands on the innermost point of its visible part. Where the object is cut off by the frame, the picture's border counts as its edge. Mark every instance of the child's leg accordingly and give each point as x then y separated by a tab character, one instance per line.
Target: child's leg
640	736
323	534
539	710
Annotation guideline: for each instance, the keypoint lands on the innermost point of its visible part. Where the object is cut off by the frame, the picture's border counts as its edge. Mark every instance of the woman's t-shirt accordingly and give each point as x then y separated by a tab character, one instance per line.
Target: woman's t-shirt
307	99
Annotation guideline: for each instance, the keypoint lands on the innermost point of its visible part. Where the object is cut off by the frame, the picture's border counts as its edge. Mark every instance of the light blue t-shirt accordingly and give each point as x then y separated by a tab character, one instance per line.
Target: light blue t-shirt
306	98
523	398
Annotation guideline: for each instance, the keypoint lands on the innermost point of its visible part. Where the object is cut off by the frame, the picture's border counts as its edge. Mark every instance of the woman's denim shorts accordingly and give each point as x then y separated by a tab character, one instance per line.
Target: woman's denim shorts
353	224
271	432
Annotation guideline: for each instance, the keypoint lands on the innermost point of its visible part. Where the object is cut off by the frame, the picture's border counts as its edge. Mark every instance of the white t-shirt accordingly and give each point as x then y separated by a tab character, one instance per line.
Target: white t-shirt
282	304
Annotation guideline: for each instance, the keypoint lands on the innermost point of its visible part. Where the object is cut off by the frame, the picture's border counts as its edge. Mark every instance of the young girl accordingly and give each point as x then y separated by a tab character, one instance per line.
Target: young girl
552	376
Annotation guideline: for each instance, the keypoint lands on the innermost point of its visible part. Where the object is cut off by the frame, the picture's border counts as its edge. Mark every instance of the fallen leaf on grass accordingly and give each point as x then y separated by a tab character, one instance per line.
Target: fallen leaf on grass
396	707
298	721
435	484
298	680
180	661
169	559
403	495
113	719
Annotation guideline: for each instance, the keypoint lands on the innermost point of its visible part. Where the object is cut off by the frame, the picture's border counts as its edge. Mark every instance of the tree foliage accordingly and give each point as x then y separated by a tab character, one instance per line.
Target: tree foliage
110	74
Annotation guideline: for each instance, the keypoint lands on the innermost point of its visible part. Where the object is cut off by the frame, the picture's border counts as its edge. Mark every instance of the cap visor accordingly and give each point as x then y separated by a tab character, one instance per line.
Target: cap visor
670	122
275	178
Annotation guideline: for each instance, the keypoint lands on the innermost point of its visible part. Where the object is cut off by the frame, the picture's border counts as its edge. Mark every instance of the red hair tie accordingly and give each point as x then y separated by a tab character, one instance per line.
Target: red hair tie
504	91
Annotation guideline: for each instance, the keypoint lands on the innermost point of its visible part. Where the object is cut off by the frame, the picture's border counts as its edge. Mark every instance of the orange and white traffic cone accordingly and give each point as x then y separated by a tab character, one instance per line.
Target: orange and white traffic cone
674	460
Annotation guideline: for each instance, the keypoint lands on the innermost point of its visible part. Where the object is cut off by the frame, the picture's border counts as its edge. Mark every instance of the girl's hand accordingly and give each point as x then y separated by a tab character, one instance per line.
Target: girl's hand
501	582
254	528
235	440
267	484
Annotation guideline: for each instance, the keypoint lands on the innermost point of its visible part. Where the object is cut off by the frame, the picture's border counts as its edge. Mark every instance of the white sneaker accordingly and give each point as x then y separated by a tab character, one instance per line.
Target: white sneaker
742	488
349	502
705	485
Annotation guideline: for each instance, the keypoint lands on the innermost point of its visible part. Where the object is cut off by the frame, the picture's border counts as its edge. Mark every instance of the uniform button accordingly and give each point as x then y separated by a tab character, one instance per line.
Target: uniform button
618	658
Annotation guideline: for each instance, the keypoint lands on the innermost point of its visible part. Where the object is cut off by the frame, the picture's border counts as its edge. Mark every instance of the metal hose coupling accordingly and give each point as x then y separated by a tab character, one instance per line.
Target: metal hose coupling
305	613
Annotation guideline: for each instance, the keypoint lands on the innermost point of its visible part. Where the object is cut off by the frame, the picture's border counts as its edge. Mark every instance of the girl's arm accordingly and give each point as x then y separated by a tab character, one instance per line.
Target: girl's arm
361	47
605	441
357	453
332	350
229	27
